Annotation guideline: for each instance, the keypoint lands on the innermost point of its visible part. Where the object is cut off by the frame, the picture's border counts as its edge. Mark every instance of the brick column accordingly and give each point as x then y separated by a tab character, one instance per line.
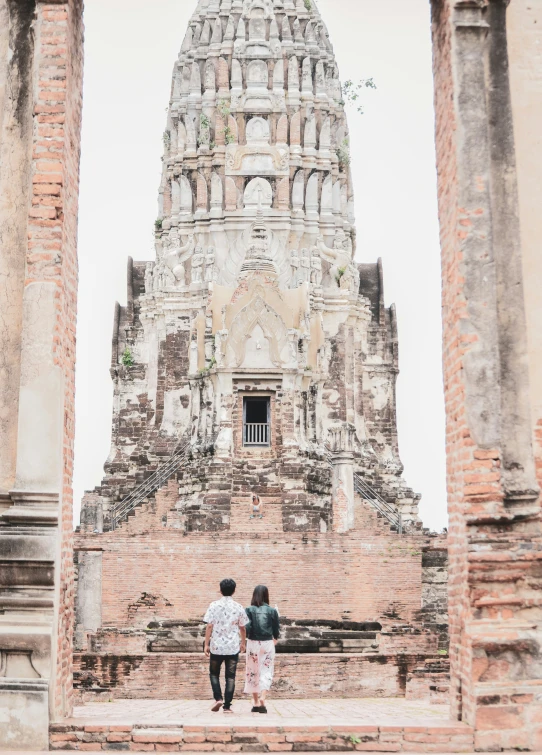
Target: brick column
36	526
494	536
342	448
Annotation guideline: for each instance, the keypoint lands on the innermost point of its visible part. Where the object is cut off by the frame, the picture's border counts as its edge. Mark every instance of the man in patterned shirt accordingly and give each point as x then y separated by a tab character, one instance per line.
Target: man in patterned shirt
225	637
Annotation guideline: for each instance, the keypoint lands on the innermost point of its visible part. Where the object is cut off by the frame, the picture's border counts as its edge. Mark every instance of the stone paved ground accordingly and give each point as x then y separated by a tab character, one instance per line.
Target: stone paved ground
395	712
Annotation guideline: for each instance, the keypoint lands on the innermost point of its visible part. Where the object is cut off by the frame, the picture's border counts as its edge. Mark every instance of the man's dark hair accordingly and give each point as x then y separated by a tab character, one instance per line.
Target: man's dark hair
227	587
260	596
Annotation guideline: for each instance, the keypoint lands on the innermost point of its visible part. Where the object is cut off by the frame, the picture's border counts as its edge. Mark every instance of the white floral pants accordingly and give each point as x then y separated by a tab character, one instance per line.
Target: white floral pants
260	666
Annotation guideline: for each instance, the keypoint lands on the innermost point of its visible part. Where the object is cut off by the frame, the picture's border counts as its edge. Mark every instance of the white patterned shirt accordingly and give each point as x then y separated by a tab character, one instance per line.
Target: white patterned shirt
226	616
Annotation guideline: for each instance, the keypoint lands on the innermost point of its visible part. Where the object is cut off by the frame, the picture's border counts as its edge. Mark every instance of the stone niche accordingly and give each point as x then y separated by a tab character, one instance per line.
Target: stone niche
258	157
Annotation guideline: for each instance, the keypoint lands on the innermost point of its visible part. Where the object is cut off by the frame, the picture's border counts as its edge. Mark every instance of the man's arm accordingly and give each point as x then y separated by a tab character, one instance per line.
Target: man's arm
243	633
208	633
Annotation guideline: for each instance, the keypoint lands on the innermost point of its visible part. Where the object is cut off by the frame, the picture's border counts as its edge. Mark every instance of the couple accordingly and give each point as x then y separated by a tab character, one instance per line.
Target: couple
230	630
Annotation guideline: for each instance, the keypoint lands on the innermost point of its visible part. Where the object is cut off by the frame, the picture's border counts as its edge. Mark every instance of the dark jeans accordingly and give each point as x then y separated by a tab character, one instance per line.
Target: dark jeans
230	664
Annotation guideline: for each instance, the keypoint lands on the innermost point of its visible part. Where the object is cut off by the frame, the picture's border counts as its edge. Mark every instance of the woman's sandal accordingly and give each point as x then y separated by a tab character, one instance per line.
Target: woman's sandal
262	708
255	709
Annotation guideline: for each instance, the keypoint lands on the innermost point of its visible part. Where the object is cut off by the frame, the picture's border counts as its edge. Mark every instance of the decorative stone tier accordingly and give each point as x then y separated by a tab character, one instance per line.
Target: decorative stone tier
297	637
447	737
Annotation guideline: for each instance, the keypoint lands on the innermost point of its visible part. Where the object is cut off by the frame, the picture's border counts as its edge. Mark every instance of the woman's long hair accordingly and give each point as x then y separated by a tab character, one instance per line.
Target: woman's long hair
260	596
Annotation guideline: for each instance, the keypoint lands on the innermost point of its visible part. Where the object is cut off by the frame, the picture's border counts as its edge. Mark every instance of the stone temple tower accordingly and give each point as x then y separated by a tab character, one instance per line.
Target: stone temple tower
255	347
256	356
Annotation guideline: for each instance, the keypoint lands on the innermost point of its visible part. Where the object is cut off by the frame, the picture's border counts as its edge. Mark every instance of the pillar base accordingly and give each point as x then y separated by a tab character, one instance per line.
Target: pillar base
24	724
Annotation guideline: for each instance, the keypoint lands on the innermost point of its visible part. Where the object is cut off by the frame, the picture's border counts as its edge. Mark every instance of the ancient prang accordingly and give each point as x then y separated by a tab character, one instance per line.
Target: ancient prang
256	356
255	335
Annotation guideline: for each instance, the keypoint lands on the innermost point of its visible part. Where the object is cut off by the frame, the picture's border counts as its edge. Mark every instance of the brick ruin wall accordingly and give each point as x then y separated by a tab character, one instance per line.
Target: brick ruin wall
154	574
318	576
134	676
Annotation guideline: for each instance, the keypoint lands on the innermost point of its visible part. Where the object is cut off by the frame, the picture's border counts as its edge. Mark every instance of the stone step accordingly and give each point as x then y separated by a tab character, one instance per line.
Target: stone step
228	737
240	520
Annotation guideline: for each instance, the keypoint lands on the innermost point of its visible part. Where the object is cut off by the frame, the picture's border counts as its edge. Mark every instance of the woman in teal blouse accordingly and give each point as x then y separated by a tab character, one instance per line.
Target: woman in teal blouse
263	632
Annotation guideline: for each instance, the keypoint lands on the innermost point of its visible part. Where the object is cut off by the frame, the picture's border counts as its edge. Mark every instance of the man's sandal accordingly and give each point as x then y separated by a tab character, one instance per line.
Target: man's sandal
216	707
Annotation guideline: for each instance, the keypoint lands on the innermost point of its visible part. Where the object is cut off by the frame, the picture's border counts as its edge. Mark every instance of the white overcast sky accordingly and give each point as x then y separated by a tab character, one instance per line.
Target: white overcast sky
131	46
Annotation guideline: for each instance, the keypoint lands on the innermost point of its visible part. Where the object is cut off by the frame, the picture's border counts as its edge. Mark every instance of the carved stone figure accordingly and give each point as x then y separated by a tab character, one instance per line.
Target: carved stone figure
316	268
176	256
305	266
197	265
210	265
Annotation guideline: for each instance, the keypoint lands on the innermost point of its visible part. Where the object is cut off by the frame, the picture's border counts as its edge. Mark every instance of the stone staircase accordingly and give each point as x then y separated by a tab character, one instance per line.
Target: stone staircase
240	512
368	518
256	475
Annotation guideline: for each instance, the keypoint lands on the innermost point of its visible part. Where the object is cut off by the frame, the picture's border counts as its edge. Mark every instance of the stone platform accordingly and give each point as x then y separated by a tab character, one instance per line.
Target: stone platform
103	676
290	726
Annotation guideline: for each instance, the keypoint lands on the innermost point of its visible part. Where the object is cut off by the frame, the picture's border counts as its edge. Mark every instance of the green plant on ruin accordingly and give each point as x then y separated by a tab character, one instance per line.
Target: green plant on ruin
206	370
166	138
340	272
442	652
127	358
308	368
158	224
355	740
212	144
352	92
308	5
343	153
204	137
224	110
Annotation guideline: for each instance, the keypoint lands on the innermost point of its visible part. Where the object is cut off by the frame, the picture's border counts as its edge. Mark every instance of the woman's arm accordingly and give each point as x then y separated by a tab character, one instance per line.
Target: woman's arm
276	625
248	626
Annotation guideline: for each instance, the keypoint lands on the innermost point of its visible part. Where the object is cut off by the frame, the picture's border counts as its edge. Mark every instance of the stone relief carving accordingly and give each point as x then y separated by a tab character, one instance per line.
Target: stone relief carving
176	255
316	269
257	350
257	74
197	265
304	266
210	272
257	313
257	131
258	195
